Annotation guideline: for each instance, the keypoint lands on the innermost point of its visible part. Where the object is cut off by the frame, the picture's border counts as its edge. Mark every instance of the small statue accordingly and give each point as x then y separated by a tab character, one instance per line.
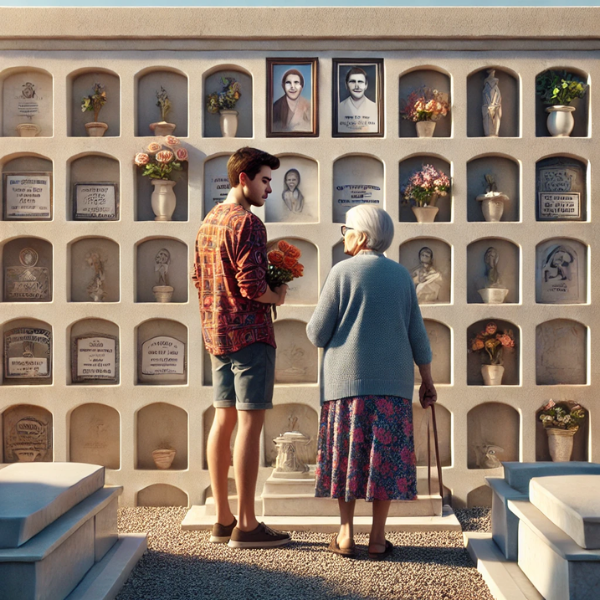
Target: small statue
493	292
291	195
291	450
96	286
162	291
427	279
492	105
487	456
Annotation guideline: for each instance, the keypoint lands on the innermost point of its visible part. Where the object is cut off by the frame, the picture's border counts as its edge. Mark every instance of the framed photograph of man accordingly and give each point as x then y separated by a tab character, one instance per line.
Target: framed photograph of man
357	97
292	97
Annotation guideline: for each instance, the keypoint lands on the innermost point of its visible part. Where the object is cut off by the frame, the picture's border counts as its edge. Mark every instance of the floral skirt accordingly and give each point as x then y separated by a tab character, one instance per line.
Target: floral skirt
366	449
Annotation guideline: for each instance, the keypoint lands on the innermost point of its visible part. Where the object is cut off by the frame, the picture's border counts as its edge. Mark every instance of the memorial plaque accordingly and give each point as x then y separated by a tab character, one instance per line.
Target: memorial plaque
560	275
27	353
163	355
95	202
559	191
27	282
219	188
95	358
27	196
27	434
559	206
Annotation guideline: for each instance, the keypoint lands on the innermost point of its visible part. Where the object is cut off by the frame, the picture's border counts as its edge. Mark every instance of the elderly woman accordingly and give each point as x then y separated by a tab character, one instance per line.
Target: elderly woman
292	112
369	323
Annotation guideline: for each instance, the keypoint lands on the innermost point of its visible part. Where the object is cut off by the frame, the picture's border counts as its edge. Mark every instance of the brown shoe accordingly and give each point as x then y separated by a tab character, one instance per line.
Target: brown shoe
221	533
335	548
261	537
389	548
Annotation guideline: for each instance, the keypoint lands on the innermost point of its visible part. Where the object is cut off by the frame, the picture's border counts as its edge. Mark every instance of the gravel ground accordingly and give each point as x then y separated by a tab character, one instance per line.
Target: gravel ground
183	565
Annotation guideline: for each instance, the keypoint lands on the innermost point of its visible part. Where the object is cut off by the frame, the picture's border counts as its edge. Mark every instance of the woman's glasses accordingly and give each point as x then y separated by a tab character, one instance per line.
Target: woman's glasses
346	229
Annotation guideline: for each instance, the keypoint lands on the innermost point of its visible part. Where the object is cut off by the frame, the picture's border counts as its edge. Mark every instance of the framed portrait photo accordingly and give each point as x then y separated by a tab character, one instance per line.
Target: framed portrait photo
292	97
357	97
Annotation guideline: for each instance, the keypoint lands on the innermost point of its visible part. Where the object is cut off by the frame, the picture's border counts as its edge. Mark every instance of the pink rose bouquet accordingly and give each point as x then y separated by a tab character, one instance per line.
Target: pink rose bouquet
424	185
492	342
160	159
425	105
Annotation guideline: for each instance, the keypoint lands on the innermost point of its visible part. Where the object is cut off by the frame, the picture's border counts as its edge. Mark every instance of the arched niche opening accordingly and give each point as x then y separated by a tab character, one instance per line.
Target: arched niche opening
28	184
510	356
208	493
27	356
27	270
416	163
422	428
492	435
150	83
27	102
161	264
305	289
581	105
291	416
580	439
296	360
481	89
493	272
440	339
337	253
481	496
161	426
561	272
94	270
95	355
80	84
216	182
162	494
94	184
417	79
561	189
506	175
27	434
94	435
357	179
162	352
429	262
213	84
207	421
561	353
295	196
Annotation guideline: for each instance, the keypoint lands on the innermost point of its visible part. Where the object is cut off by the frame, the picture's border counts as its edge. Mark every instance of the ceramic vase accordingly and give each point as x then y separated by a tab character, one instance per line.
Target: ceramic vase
425	214
228	122
560	120
163	199
425	129
96	128
492	206
162	128
163	457
560	443
493	295
492	374
28	129
162	293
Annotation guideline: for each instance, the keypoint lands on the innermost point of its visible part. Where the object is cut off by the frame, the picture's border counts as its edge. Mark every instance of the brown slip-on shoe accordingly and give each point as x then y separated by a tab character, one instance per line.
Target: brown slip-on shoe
221	533
335	548
261	537
389	548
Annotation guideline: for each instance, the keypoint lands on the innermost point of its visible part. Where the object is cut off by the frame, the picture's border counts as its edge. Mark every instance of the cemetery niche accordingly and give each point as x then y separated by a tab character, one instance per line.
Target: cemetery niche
27	353
94	435
296	360
27	434
94	270
216	182
27	270
561	266
440	339
162	352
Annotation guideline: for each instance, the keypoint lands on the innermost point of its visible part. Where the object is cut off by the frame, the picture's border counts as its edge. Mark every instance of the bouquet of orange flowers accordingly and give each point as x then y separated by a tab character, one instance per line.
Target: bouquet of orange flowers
283	264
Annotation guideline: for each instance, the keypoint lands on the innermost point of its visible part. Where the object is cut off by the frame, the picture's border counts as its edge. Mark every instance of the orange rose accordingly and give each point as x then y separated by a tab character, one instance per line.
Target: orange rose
293	251
171	141
181	154
154	147
297	270
477	345
141	158
164	156
275	258
283	245
289	261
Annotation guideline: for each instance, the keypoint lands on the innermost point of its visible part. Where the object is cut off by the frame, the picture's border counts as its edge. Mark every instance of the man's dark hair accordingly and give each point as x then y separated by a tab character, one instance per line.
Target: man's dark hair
250	161
357	71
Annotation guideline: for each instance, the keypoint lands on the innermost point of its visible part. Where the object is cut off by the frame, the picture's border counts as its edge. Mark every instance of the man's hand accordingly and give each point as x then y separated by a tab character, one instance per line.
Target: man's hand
281	291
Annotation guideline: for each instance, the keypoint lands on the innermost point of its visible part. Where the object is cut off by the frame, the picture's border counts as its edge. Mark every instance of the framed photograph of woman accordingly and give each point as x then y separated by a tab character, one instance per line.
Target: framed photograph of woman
292	97
357	97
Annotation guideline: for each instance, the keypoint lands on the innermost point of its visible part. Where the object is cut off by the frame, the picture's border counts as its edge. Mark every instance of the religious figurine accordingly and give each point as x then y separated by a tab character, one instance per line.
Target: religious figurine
492	202
426	278
493	291
96	286
492	105
292	196
162	291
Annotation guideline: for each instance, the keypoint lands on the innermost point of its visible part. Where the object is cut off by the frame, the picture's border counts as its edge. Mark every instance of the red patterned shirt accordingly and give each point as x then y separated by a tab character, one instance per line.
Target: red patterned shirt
230	271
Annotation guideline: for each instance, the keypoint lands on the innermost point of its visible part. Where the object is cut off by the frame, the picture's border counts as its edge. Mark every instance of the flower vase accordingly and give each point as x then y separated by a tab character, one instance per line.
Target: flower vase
560	443
493	295
96	128
228	122
162	293
560	120
28	129
163	199
162	128
163	457
492	374
492	205
425	129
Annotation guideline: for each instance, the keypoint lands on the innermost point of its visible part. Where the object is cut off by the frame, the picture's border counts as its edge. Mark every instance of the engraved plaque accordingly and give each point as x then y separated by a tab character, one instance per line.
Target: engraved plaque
560	275
27	353
27	434
559	191
95	357
555	205
163	355
95	202
27	282
27	196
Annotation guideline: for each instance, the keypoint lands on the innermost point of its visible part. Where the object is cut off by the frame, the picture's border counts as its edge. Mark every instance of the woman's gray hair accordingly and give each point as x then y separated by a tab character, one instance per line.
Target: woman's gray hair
375	223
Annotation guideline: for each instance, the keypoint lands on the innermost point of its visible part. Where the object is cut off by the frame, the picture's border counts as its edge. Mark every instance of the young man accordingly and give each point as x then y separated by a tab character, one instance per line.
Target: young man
235	309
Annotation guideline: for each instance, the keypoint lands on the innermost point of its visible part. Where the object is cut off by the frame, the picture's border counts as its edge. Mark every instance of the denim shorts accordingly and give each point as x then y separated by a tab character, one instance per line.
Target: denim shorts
245	378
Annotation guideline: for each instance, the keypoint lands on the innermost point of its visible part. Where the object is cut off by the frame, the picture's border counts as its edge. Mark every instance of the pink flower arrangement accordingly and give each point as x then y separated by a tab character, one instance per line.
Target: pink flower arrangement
492	342
161	159
425	105
423	185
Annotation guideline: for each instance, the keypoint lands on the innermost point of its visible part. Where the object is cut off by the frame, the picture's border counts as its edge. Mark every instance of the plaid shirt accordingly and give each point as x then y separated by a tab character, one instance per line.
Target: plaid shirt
230	271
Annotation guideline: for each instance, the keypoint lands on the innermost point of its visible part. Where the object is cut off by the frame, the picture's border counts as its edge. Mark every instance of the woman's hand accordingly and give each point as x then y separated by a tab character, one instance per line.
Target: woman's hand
427	391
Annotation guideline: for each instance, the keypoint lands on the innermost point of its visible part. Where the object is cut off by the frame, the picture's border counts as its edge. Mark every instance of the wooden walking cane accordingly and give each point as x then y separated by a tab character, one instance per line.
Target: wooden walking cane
437	454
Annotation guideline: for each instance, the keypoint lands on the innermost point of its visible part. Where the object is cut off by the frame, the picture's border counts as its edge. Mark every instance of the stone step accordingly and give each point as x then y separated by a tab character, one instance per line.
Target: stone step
33	495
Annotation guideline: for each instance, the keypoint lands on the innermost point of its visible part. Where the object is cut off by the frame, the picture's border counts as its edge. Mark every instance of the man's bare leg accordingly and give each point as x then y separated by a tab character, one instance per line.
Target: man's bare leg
246	457
345	538
381	508
218	454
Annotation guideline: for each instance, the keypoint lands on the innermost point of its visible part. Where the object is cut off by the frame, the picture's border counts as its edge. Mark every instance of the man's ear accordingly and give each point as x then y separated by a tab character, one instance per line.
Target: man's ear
244	179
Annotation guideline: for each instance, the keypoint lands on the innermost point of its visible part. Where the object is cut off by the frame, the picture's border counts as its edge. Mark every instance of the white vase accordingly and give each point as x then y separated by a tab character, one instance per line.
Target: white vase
492	374
229	122
560	120
28	129
96	128
492	205
493	295
425	129
163	457
425	214
162	128
163	199
560	443
162	293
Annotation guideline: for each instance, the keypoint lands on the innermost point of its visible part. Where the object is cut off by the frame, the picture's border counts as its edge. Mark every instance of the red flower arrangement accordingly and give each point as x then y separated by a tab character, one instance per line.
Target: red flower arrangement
283	264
